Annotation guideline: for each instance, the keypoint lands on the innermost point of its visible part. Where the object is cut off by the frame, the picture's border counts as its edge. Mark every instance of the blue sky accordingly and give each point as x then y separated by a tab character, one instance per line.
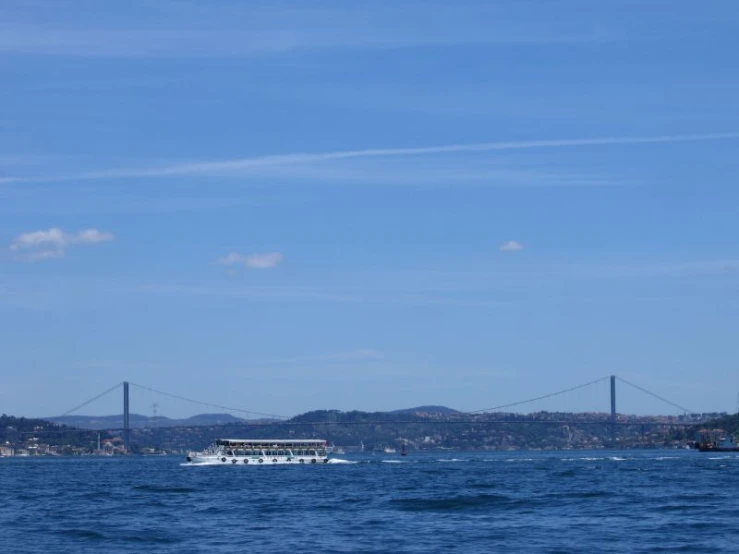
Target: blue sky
289	206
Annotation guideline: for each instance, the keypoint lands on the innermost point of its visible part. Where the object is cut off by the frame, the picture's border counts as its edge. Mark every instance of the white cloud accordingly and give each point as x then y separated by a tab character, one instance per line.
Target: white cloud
231	259
53	236
511	246
53	243
253	261
93	236
264	261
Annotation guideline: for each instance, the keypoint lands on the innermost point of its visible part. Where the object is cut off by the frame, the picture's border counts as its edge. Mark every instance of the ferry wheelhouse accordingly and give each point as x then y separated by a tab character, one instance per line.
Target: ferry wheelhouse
261	452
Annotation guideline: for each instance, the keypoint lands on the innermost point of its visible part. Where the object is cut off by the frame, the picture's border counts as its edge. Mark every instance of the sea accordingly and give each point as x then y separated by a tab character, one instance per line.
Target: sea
553	502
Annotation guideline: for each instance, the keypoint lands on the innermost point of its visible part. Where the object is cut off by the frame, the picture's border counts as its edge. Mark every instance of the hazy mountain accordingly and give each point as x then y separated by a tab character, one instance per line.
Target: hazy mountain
427	410
137	421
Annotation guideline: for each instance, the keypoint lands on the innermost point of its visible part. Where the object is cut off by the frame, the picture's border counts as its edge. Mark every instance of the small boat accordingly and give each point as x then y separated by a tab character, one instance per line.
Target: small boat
716	440
261	452
389	450
403	451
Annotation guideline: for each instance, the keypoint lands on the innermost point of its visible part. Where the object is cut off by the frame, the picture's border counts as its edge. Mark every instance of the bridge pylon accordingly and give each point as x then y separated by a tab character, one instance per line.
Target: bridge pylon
126	422
613	411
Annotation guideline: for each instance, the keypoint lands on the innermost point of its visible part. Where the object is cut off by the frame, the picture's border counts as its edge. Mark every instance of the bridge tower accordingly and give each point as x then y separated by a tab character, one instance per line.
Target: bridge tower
126	425
613	411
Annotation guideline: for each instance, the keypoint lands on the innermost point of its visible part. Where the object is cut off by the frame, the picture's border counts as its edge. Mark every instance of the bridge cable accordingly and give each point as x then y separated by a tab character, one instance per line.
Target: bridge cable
208	403
655	395
111	389
540	397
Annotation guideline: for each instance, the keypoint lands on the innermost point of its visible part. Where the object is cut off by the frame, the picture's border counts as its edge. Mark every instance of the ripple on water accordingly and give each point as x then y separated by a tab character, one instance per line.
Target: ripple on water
164	490
85	534
450	504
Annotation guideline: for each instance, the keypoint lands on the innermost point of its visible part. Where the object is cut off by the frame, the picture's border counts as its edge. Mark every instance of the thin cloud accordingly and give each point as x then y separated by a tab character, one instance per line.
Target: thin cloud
310	294
253	261
41	255
357	355
53	243
241	166
93	236
228	29
360	354
511	246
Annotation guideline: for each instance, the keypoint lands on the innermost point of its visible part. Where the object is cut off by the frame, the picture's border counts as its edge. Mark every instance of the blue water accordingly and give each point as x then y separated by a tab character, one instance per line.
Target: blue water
567	502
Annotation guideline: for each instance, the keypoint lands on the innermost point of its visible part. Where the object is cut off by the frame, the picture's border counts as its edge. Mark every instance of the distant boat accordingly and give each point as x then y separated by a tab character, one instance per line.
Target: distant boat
389	450
726	445
403	451
716	440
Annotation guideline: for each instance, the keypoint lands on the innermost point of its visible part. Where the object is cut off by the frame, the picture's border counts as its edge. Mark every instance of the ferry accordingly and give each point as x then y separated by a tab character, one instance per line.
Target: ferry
261	452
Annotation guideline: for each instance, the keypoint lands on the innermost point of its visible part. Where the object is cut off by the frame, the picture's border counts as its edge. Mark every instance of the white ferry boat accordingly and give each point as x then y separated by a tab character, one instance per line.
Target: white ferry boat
261	452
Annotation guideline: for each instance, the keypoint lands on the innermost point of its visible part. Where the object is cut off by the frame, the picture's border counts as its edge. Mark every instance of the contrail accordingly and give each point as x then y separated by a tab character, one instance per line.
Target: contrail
280	160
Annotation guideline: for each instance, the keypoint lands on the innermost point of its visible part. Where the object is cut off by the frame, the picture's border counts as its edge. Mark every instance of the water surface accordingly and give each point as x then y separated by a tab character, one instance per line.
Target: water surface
649	501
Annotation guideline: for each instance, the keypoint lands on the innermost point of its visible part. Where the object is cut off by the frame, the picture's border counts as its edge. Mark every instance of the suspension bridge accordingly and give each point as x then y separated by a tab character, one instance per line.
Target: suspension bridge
255	419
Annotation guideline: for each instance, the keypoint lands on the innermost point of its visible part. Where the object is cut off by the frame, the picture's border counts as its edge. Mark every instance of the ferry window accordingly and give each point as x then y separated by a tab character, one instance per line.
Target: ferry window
312	452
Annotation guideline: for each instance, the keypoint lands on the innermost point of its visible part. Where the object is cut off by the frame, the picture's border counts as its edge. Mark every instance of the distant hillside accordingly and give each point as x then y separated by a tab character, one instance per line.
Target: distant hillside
729	423
210	419
426	427
138	421
20	430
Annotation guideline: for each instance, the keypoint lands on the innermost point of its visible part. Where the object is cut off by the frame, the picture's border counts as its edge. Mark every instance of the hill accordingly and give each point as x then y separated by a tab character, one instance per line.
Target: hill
33	433
421	410
729	423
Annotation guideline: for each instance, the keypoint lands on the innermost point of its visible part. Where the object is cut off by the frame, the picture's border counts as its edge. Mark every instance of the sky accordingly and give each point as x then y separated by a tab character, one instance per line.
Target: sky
288	206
